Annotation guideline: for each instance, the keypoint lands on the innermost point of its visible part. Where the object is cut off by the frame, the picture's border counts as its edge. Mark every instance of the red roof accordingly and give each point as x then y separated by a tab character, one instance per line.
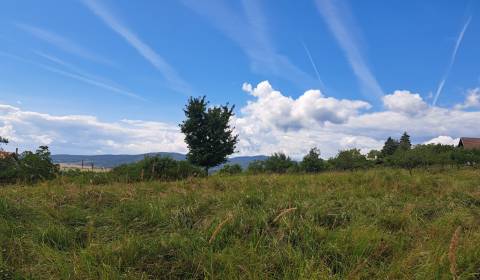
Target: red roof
4	154
469	143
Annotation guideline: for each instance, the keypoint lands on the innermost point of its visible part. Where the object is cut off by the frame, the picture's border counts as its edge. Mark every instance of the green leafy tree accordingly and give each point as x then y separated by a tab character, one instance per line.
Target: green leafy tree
405	143
375	155
279	163
208	134
390	147
3	140
349	160
312	162
8	166
37	166
407	159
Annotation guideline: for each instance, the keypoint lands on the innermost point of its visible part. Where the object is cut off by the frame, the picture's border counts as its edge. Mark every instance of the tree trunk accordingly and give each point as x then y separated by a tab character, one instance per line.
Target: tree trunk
206	170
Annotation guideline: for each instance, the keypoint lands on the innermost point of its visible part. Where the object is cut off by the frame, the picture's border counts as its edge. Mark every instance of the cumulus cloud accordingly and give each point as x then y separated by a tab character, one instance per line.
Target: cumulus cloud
444	140
312	108
270	122
403	101
86	134
471	101
273	122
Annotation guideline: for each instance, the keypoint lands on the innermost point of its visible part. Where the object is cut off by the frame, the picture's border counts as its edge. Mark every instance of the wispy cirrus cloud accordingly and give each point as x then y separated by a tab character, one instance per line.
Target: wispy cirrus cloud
458	42
62	43
174	80
340	22
248	28
79	76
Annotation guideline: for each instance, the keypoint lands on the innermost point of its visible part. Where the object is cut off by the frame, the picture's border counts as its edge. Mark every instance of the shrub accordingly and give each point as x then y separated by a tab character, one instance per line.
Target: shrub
230	169
34	167
279	163
312	162
156	168
349	160
256	167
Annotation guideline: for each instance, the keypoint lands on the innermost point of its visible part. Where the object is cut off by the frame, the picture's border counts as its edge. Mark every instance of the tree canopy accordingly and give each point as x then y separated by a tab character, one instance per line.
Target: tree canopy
405	143
208	134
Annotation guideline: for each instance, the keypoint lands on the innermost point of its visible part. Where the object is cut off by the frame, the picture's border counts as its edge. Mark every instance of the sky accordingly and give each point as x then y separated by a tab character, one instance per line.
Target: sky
104	76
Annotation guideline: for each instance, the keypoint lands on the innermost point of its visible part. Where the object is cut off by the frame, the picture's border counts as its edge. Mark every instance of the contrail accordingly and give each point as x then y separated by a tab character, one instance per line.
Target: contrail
339	20
452	60
307	51
78	77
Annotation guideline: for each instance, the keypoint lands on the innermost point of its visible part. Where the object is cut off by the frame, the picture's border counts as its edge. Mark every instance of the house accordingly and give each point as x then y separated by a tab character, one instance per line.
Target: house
469	143
4	155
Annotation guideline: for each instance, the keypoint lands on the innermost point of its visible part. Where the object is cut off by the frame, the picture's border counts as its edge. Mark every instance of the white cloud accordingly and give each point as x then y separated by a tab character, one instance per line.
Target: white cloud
444	140
86	134
404	101
270	122
168	72
471	101
275	122
311	108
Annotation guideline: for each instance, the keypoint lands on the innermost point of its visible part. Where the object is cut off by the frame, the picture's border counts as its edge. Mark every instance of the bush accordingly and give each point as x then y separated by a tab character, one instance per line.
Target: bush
8	170
312	162
230	169
350	160
38	166
29	167
279	163
256	167
156	168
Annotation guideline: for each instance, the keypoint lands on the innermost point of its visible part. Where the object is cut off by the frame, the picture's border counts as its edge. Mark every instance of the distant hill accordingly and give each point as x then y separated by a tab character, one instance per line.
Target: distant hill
109	161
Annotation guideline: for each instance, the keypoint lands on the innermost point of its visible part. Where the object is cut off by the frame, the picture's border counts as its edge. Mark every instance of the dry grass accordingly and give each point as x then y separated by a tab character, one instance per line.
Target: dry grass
283	213
452	252
378	224
219	228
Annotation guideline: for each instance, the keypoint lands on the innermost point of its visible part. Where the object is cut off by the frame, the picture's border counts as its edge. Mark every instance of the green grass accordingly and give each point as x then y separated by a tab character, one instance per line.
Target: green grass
377	224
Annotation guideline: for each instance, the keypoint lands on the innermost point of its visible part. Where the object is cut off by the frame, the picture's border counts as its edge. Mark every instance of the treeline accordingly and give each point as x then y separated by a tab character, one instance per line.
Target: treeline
27	167
31	167
395	153
149	169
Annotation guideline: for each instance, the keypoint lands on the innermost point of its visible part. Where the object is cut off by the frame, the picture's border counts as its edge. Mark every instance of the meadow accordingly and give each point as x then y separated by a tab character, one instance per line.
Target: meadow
375	224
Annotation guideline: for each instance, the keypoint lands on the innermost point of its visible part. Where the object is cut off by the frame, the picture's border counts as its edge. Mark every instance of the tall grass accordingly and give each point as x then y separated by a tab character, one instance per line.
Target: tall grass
377	224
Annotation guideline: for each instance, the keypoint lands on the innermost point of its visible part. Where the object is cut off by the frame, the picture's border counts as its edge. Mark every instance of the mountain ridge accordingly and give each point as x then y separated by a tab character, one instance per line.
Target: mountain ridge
113	160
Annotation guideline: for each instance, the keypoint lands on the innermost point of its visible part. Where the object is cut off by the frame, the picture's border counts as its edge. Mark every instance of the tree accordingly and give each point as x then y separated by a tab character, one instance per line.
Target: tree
37	166
312	162
390	147
375	156
279	163
405	143
208	134
408	159
349	160
3	140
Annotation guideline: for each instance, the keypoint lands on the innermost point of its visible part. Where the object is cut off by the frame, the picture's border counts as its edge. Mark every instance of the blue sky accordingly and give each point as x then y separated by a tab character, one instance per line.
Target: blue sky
140	60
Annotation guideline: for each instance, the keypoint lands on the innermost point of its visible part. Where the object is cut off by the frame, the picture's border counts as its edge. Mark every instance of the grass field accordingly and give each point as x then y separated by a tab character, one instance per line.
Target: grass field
377	224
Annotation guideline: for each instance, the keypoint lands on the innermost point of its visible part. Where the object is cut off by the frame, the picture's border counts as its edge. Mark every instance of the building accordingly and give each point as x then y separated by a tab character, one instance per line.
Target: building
469	143
4	155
